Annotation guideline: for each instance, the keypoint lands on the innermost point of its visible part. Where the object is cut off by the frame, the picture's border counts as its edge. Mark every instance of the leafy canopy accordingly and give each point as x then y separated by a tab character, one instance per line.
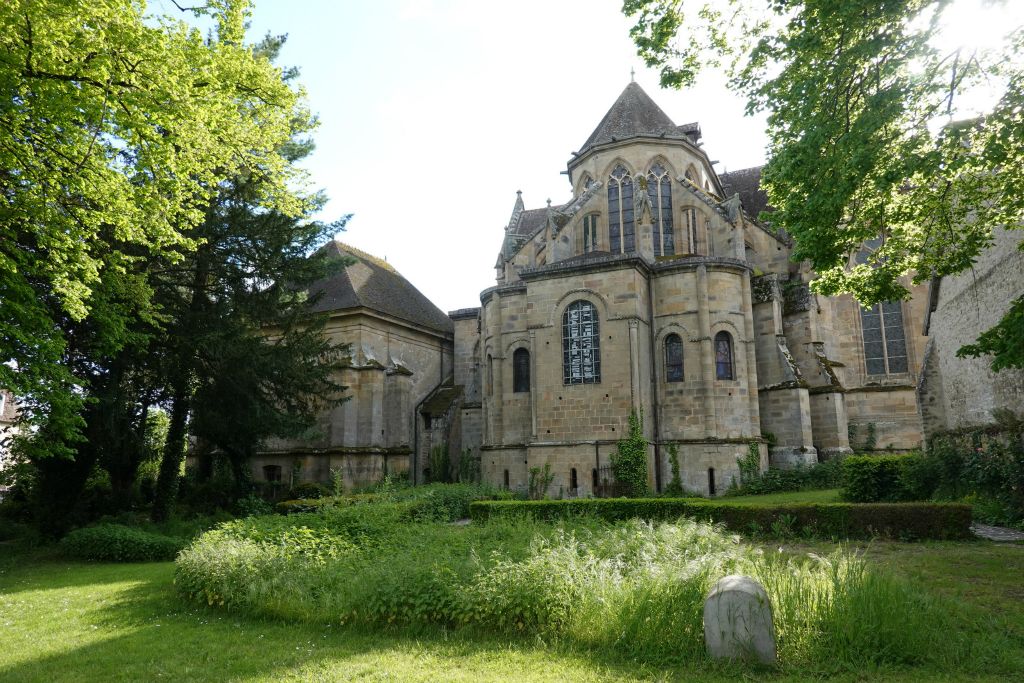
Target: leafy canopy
863	144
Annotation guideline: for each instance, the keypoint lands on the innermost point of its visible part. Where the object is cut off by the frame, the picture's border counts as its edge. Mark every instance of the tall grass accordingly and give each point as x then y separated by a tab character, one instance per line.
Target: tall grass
633	588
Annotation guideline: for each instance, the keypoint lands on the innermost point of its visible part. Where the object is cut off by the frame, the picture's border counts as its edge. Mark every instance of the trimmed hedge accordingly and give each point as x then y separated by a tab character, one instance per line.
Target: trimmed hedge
119	543
886	478
905	521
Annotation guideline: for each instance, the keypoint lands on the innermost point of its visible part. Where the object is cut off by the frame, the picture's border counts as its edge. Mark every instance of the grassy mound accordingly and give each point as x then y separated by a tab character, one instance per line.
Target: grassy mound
634	588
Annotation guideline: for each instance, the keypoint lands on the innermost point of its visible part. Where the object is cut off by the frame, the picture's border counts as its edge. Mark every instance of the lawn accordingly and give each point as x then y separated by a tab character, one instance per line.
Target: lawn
788	498
66	621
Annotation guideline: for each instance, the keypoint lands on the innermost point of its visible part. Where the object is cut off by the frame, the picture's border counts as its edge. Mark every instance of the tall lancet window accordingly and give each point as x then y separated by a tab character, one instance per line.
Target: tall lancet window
659	189
581	344
621	227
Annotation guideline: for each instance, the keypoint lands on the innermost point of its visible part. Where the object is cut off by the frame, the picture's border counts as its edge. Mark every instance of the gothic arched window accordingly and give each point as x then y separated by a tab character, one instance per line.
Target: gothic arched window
621	227
723	356
885	343
581	345
673	358
521	371
659	189
590	241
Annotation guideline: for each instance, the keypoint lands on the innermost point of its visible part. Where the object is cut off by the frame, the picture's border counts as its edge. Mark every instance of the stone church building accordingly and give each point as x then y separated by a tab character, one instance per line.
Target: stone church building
657	289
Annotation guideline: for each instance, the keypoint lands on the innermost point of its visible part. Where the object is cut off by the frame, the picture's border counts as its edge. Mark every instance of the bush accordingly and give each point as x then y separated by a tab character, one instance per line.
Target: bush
825	475
439	502
119	543
629	462
985	464
904	521
309	490
888	478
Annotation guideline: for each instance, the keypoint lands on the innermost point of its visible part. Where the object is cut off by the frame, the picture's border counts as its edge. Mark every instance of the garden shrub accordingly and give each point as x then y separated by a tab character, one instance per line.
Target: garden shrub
119	543
309	490
906	521
441	502
985	465
889	478
824	475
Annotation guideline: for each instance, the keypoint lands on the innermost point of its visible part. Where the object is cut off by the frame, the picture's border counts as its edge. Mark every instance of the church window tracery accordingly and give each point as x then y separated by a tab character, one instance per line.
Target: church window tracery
673	358
659	189
521	371
581	350
723	356
885	344
621	225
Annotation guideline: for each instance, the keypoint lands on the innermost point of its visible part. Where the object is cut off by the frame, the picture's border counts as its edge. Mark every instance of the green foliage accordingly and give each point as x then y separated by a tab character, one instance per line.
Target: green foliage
309	489
629	463
750	464
119	127
675	484
1004	342
632	588
439	466
888	478
985	466
825	475
905	521
119	543
539	482
441	502
863	146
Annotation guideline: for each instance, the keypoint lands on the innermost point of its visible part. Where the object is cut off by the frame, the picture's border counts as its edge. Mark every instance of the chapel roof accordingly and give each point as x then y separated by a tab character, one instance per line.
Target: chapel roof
373	283
747	183
635	114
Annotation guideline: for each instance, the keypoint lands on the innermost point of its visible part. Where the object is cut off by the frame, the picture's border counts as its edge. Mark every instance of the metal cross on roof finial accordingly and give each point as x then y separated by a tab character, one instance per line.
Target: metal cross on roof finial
631	74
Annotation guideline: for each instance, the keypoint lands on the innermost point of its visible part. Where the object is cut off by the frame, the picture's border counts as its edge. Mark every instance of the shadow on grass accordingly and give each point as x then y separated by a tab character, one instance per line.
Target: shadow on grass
144	632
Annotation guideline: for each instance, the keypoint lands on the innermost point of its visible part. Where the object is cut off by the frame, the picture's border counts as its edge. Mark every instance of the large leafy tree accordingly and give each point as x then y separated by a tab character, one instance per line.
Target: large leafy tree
863	141
116	130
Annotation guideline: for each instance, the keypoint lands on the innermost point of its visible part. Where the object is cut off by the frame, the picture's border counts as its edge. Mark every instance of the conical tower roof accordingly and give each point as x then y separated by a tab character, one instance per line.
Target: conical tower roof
633	114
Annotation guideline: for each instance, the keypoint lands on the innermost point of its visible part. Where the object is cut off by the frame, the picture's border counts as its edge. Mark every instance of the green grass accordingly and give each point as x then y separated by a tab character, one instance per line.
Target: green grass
768	499
63	621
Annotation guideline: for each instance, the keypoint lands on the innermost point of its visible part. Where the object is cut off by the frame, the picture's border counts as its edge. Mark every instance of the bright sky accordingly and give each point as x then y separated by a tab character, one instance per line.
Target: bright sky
434	112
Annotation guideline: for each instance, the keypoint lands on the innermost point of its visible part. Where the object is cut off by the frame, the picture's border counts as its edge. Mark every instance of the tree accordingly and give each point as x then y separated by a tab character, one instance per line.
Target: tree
117	129
862	141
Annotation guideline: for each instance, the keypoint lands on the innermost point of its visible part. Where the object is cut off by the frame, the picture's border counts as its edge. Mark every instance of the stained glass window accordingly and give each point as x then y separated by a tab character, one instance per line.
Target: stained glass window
621	227
673	358
581	352
659	189
885	343
521	371
723	356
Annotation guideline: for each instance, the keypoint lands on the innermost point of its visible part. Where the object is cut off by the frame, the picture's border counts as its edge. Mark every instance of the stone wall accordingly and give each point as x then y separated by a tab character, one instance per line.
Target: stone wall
965	391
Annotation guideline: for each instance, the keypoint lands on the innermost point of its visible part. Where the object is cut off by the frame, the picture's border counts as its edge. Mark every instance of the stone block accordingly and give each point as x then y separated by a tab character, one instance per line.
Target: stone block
738	621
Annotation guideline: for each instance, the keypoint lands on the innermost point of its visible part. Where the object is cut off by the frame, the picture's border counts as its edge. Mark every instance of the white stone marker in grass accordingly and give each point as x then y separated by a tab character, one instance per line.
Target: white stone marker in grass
738	621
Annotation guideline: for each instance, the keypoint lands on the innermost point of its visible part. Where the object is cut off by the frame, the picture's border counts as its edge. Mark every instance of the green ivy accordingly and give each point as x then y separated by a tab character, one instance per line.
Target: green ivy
630	462
675	485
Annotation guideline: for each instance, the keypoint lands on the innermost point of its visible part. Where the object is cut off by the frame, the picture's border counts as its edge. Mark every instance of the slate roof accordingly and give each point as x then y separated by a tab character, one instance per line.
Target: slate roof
746	183
373	283
634	114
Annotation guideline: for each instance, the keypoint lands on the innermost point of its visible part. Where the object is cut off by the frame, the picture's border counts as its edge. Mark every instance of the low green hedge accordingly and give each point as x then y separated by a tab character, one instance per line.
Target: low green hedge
119	543
907	521
887	478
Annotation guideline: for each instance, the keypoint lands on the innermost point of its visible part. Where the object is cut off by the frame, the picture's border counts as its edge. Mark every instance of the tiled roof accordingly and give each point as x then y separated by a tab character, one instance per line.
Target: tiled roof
746	183
373	283
635	113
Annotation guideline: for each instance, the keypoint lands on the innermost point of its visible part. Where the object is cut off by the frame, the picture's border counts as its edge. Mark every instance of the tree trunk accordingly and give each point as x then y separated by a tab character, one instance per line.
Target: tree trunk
174	454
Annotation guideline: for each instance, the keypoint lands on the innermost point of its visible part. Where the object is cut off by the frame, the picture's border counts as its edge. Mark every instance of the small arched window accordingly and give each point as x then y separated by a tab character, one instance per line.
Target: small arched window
673	358
723	356
590	233
659	189
521	371
506	480
490	375
581	344
621	226
574	482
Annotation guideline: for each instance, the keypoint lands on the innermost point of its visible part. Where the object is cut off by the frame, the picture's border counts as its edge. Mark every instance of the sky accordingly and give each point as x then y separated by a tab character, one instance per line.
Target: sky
433	113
